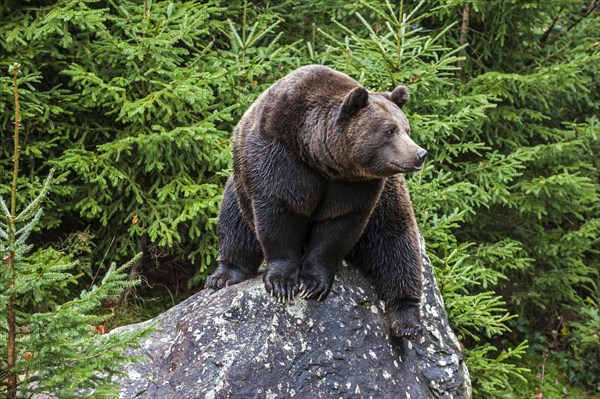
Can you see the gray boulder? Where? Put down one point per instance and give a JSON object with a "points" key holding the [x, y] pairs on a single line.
{"points": [[240, 343]]}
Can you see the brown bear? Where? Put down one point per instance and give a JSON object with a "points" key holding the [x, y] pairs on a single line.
{"points": [[318, 163]]}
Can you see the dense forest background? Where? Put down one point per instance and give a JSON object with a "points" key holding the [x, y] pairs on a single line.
{"points": [[133, 104]]}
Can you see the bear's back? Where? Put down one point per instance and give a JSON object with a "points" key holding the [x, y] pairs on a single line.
{"points": [[310, 86], [300, 98]]}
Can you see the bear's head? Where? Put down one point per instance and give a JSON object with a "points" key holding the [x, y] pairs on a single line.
{"points": [[377, 134]]}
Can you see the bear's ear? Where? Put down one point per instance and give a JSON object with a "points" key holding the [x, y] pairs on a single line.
{"points": [[355, 100], [400, 96]]}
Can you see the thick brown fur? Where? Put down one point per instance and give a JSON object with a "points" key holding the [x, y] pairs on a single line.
{"points": [[318, 163]]}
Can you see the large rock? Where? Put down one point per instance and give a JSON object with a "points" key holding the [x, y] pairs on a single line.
{"points": [[240, 343]]}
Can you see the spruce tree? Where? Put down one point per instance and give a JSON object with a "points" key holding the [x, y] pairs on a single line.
{"points": [[538, 181], [133, 106], [393, 50], [134, 103], [511, 127], [48, 347]]}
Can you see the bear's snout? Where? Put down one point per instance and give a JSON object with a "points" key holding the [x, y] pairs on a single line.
{"points": [[421, 154]]}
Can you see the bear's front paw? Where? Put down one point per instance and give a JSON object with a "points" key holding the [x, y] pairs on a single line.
{"points": [[224, 276], [405, 322], [281, 280], [315, 282]]}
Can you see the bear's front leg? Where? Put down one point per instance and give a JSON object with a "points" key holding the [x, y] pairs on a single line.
{"points": [[330, 241], [280, 232], [338, 223]]}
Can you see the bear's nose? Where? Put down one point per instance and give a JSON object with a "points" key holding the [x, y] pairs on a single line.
{"points": [[421, 154]]}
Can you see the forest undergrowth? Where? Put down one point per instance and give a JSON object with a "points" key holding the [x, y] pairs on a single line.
{"points": [[133, 104]]}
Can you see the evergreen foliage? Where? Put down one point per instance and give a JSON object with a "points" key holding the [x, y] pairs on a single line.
{"points": [[127, 110], [45, 346], [391, 51], [134, 104], [538, 180]]}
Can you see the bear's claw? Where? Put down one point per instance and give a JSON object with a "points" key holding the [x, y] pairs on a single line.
{"points": [[405, 331], [282, 290], [224, 276], [405, 322], [315, 289], [281, 282]]}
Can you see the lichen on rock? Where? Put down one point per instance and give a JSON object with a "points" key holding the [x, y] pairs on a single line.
{"points": [[240, 343]]}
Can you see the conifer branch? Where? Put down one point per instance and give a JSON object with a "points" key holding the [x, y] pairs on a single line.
{"points": [[589, 10], [399, 32], [13, 201], [243, 79], [37, 202], [550, 28], [5, 208], [464, 29], [11, 322]]}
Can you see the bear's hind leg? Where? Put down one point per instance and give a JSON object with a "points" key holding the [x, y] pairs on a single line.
{"points": [[389, 252], [240, 254]]}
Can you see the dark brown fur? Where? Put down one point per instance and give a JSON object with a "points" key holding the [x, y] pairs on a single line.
{"points": [[317, 178]]}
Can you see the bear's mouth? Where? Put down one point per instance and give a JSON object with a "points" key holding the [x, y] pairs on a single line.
{"points": [[406, 167]]}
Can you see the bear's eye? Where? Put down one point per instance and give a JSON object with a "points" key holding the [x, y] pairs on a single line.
{"points": [[391, 132]]}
